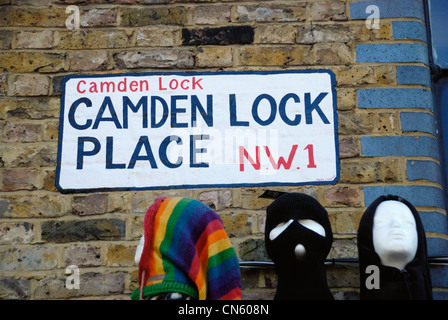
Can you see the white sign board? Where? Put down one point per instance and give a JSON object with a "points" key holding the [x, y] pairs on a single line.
{"points": [[191, 130]]}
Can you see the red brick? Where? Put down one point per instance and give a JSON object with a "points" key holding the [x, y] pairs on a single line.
{"points": [[90, 205], [21, 179], [21, 132], [343, 196]]}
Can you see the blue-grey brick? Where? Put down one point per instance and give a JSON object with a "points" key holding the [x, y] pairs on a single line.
{"points": [[410, 146], [395, 98], [5, 207], [439, 275], [439, 294], [13, 289], [437, 246], [435, 222], [419, 196], [414, 75], [83, 230], [424, 170], [412, 30], [418, 122], [392, 52], [388, 9], [28, 259], [90, 284]]}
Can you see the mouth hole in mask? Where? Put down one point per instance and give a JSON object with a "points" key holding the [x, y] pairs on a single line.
{"points": [[307, 223]]}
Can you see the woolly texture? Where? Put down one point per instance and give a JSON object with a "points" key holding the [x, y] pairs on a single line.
{"points": [[187, 250], [303, 279]]}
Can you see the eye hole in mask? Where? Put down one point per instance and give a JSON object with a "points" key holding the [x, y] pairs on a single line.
{"points": [[308, 223]]}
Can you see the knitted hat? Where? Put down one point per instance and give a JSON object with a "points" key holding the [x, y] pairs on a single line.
{"points": [[187, 250], [299, 279]]}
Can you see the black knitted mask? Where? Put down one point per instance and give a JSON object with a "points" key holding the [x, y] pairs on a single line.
{"points": [[297, 206], [303, 278]]}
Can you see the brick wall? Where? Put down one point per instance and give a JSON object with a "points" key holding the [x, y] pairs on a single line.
{"points": [[387, 128]]}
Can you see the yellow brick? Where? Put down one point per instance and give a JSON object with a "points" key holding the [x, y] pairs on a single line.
{"points": [[275, 56], [214, 57], [92, 39], [30, 61], [120, 255]]}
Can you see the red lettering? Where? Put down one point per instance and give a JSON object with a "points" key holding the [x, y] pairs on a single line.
{"points": [[196, 83], [244, 153], [121, 87], [311, 163], [77, 87], [113, 86], [110, 86], [132, 85], [281, 160], [93, 88], [182, 84], [160, 84], [144, 82], [176, 84]]}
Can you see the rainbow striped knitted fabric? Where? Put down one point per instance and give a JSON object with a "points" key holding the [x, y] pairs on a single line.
{"points": [[187, 250]]}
